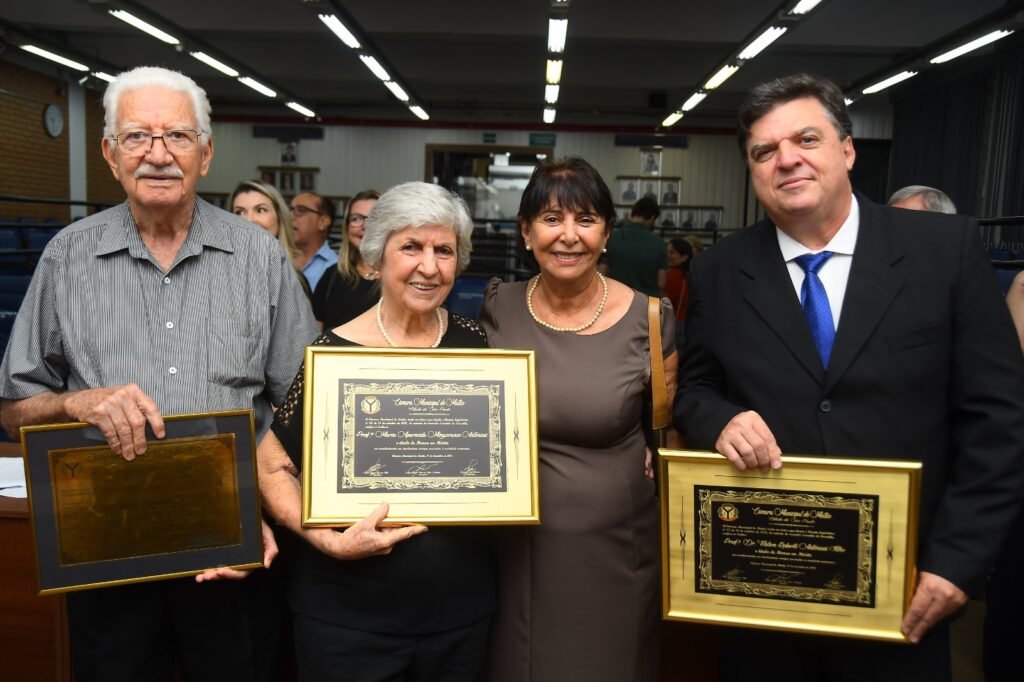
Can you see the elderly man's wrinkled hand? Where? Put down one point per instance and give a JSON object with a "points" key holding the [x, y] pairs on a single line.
{"points": [[225, 573], [934, 599], [120, 413], [748, 443], [368, 537]]}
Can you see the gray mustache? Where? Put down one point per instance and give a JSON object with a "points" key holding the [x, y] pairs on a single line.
{"points": [[164, 171]]}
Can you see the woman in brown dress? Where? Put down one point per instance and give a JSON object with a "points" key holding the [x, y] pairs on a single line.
{"points": [[579, 594]]}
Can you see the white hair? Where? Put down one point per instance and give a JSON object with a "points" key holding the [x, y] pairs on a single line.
{"points": [[416, 204], [154, 76], [933, 199]]}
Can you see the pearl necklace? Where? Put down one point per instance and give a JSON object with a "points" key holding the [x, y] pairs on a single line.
{"points": [[387, 337], [567, 330]]}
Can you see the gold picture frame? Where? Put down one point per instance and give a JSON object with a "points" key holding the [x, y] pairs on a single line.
{"points": [[445, 436], [190, 503], [823, 545]]}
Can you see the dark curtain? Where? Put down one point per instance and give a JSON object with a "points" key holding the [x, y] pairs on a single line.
{"points": [[938, 138], [1008, 141]]}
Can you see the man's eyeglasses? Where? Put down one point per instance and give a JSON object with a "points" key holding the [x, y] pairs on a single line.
{"points": [[301, 210], [137, 142], [357, 219]]}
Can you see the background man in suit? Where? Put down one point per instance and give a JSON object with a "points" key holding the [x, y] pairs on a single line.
{"points": [[922, 198], [913, 357]]}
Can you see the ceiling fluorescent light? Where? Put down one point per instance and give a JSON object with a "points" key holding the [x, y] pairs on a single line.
{"points": [[219, 65], [550, 94], [418, 110], [103, 76], [143, 26], [847, 101], [397, 90], [770, 35], [554, 71], [721, 76], [339, 29], [971, 46], [374, 66], [672, 119], [695, 99], [295, 106], [549, 115], [257, 86], [46, 54], [557, 28], [804, 6], [891, 80]]}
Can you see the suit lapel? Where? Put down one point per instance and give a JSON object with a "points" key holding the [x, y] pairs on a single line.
{"points": [[870, 290], [769, 291]]}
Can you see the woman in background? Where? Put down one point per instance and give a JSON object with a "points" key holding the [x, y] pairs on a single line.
{"points": [[578, 594], [351, 288], [262, 204], [677, 285]]}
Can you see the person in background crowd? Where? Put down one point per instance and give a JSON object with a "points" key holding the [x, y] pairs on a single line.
{"points": [[579, 593], [262, 204], [636, 256], [677, 286], [161, 305], [349, 289], [837, 327], [921, 198], [312, 217], [380, 602]]}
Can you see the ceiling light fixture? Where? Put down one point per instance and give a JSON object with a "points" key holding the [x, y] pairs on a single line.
{"points": [[295, 106], [672, 119], [103, 76], [551, 93], [557, 29], [554, 71], [804, 6], [219, 65], [257, 86], [339, 29], [53, 57], [374, 66], [397, 90], [890, 81], [970, 47], [152, 30], [721, 76], [549, 115], [847, 101], [770, 35], [418, 110], [695, 99]]}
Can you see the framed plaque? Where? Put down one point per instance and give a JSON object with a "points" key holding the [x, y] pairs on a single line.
{"points": [[444, 436], [823, 545], [190, 503]]}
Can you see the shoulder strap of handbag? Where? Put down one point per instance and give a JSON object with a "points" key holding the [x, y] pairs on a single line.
{"points": [[659, 399]]}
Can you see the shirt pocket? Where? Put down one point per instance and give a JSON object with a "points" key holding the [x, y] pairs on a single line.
{"points": [[233, 357]]}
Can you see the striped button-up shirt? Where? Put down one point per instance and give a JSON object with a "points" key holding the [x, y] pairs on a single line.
{"points": [[223, 328]]}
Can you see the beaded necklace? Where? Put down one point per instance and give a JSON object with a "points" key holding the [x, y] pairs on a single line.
{"points": [[567, 330]]}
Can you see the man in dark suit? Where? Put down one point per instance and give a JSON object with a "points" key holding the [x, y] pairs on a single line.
{"points": [[913, 356]]}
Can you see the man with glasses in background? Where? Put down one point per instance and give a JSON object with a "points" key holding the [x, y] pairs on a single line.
{"points": [[161, 305], [312, 217]]}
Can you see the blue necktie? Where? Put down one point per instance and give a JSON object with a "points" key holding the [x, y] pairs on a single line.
{"points": [[815, 303]]}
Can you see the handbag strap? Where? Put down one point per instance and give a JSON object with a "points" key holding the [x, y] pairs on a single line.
{"points": [[659, 399]]}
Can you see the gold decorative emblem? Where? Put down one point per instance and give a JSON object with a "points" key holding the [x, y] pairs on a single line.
{"points": [[728, 512], [369, 405]]}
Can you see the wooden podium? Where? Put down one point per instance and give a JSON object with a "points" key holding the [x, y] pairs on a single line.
{"points": [[33, 629]]}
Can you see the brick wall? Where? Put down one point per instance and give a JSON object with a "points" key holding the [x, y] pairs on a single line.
{"points": [[31, 162], [99, 181]]}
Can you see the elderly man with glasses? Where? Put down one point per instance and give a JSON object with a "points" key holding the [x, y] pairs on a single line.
{"points": [[312, 217], [161, 305]]}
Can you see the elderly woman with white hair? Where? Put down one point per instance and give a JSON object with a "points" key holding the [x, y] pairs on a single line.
{"points": [[379, 602]]}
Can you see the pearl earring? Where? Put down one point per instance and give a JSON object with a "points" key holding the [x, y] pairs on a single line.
{"points": [[529, 248]]}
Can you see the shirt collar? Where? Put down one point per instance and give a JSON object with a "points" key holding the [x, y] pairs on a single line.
{"points": [[122, 233], [842, 242], [325, 252]]}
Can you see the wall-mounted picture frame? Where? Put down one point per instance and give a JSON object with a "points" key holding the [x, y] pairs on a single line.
{"points": [[711, 219], [690, 218], [650, 161], [627, 193], [669, 218], [287, 182], [650, 188], [268, 177], [289, 153], [669, 193], [307, 181]]}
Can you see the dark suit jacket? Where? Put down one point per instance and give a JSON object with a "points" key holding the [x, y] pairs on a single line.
{"points": [[925, 366]]}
